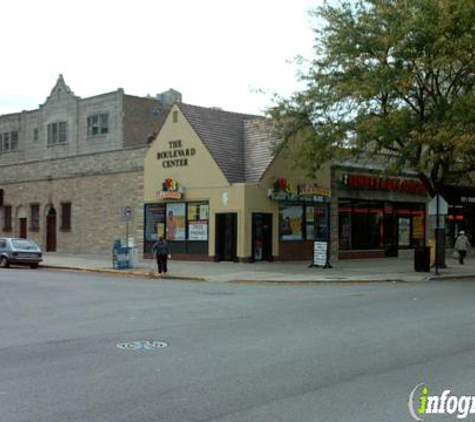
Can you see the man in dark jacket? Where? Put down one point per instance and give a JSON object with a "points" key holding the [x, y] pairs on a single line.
{"points": [[160, 249]]}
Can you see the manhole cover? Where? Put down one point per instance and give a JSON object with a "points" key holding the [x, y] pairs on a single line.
{"points": [[142, 345]]}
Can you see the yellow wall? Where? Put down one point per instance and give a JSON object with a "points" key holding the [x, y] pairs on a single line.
{"points": [[257, 195], [203, 180]]}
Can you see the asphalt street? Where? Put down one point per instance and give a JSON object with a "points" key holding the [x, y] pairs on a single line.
{"points": [[234, 353]]}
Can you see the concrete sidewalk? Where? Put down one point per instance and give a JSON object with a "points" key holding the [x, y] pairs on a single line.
{"points": [[355, 270]]}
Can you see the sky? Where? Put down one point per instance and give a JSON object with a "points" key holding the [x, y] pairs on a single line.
{"points": [[216, 53]]}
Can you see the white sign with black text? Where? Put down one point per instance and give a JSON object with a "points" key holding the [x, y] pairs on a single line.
{"points": [[320, 253]]}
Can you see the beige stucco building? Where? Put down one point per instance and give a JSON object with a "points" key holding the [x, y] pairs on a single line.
{"points": [[211, 188]]}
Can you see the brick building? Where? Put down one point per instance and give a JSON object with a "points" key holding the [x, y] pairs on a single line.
{"points": [[69, 168]]}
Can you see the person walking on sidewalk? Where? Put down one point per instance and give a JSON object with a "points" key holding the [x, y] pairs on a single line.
{"points": [[462, 245], [160, 249]]}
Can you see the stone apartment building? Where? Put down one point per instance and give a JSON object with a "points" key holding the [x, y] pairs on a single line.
{"points": [[71, 169]]}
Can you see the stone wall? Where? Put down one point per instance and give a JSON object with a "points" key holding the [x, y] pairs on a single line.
{"points": [[97, 186], [76, 166]]}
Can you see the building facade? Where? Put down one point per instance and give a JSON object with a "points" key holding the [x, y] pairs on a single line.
{"points": [[69, 168], [217, 190], [213, 187]]}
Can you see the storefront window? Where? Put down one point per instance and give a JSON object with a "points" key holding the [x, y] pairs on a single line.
{"points": [[322, 222], [303, 221], [198, 221], [404, 232], [175, 221], [185, 225], [154, 224], [344, 226], [310, 222], [291, 222], [367, 225]]}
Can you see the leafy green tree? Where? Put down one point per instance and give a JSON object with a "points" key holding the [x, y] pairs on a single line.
{"points": [[390, 78]]}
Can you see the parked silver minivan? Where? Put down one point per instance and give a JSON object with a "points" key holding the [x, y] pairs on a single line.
{"points": [[19, 252]]}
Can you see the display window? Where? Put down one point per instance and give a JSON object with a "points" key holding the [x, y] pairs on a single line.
{"points": [[184, 225], [291, 219], [366, 224], [303, 222], [198, 221], [175, 221]]}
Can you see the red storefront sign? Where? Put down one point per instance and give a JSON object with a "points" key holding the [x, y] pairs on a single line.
{"points": [[383, 183]]}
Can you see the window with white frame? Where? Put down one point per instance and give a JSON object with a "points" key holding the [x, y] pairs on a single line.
{"points": [[98, 124]]}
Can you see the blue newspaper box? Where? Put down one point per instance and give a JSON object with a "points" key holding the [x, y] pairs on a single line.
{"points": [[121, 256]]}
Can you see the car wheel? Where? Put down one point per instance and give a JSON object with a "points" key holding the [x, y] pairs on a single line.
{"points": [[34, 266], [4, 262]]}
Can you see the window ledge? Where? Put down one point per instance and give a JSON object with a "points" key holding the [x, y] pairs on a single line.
{"points": [[99, 135], [62, 144], [10, 151]]}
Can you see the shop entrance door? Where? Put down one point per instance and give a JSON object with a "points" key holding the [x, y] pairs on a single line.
{"points": [[51, 230], [226, 237], [261, 237], [22, 226]]}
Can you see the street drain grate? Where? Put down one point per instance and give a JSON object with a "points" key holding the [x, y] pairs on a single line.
{"points": [[142, 345]]}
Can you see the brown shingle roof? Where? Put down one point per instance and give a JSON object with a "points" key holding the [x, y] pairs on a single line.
{"points": [[258, 148], [228, 138]]}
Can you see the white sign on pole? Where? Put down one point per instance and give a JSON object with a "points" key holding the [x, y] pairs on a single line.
{"points": [[443, 205], [126, 213]]}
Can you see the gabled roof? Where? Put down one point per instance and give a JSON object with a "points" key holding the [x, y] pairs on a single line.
{"points": [[229, 137]]}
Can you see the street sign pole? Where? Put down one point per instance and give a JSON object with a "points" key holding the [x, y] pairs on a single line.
{"points": [[438, 207], [127, 237], [437, 236], [127, 216]]}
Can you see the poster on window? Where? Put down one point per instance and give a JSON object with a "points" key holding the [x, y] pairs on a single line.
{"points": [[197, 230], [160, 230], [418, 227], [197, 212], [404, 232], [175, 221], [154, 219], [291, 219], [193, 212], [204, 212]]}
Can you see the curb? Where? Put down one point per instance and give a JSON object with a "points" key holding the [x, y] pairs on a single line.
{"points": [[450, 277], [140, 274], [148, 275], [306, 282]]}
